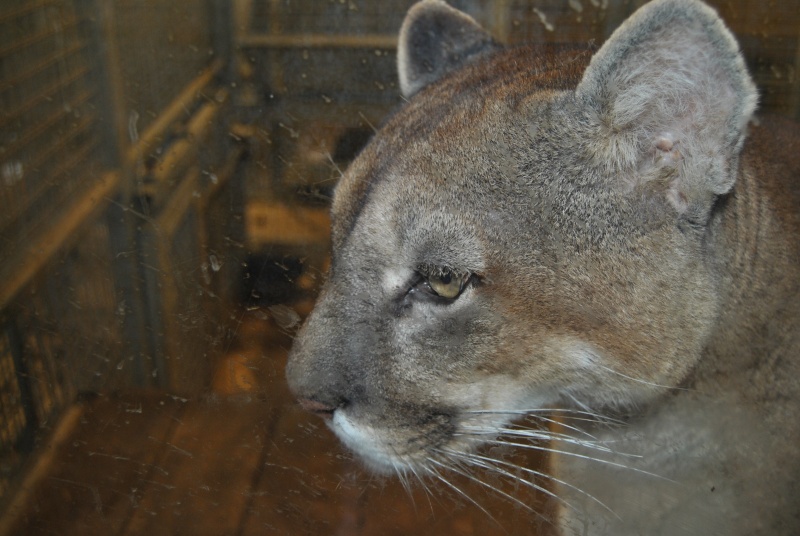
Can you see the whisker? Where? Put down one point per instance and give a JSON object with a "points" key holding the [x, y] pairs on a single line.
{"points": [[494, 488], [475, 479], [425, 487], [509, 438], [575, 455], [568, 413], [332, 162], [544, 435], [640, 380], [534, 472], [578, 402], [489, 464], [455, 488], [401, 476], [565, 425], [549, 434]]}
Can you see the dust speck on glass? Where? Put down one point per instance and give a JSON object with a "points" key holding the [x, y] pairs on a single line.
{"points": [[167, 171]]}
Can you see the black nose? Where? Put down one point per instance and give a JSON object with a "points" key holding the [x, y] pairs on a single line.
{"points": [[323, 410]]}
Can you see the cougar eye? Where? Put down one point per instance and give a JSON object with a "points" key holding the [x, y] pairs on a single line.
{"points": [[446, 283]]}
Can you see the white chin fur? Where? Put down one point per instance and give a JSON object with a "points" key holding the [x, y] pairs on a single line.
{"points": [[366, 442]]}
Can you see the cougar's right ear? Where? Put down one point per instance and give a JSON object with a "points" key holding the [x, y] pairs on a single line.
{"points": [[434, 40], [669, 97]]}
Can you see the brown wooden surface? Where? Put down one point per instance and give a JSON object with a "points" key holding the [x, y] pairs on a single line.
{"points": [[243, 461]]}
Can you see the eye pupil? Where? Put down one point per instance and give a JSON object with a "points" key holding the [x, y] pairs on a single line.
{"points": [[446, 284], [442, 281]]}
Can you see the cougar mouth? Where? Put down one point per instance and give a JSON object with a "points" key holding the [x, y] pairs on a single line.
{"points": [[387, 448]]}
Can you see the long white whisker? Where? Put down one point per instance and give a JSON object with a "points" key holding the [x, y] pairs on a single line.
{"points": [[580, 404], [489, 464], [543, 475], [428, 493], [552, 435], [501, 435], [546, 436], [472, 477], [564, 412], [618, 373], [564, 425], [575, 455], [455, 488], [401, 476], [543, 435]]}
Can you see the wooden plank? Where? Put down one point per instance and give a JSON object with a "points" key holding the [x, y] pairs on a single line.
{"points": [[179, 108], [375, 41], [274, 223], [63, 26], [211, 457], [16, 79], [46, 94], [52, 162], [306, 483], [40, 468], [18, 11], [32, 133], [172, 165], [97, 474]]}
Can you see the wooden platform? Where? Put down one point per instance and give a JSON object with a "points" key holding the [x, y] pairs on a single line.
{"points": [[244, 463]]}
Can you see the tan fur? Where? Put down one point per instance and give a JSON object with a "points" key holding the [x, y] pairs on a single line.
{"points": [[629, 257]]}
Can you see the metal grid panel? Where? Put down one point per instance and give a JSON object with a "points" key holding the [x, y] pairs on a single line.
{"points": [[62, 336], [71, 325], [46, 131]]}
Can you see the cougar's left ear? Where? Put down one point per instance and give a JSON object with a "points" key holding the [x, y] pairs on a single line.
{"points": [[668, 98], [436, 39]]}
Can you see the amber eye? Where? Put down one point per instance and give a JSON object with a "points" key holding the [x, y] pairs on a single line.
{"points": [[447, 284]]}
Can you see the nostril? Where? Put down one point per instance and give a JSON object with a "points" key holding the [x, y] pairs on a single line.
{"points": [[321, 409]]}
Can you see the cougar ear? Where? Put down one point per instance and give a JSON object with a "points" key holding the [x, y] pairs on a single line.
{"points": [[436, 39], [668, 97]]}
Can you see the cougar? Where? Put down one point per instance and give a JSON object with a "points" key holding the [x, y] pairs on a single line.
{"points": [[609, 239]]}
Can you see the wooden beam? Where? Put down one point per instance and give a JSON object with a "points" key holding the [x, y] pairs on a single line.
{"points": [[319, 41], [275, 223], [67, 424], [177, 108], [22, 265]]}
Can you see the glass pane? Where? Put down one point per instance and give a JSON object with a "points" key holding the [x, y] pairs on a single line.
{"points": [[167, 171]]}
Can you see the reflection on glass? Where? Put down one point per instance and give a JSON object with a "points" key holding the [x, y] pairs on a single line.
{"points": [[166, 173]]}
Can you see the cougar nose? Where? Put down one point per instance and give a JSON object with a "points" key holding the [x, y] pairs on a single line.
{"points": [[323, 410]]}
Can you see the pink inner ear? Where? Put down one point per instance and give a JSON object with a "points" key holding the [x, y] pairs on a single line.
{"points": [[667, 154], [664, 144], [667, 151]]}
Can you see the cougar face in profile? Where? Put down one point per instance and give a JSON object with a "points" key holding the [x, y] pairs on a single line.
{"points": [[616, 243]]}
